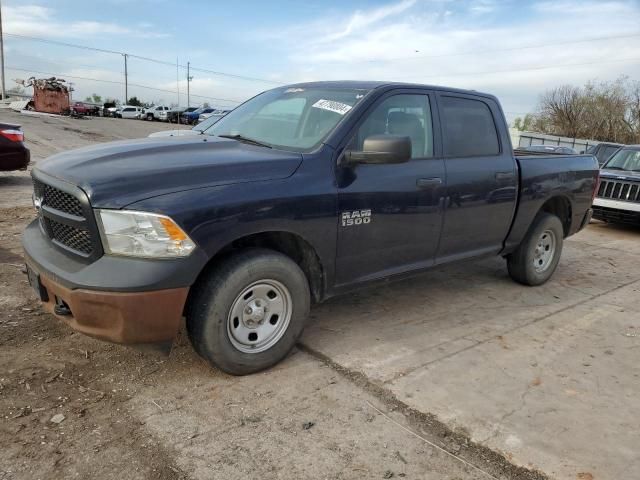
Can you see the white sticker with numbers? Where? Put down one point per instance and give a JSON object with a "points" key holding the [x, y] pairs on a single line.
{"points": [[332, 106]]}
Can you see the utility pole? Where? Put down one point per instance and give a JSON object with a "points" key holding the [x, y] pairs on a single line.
{"points": [[71, 84], [4, 93], [178, 81], [188, 81], [126, 80]]}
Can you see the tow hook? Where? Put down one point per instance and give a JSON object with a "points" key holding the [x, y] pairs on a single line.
{"points": [[61, 308]]}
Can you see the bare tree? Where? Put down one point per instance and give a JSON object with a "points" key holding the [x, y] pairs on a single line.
{"points": [[606, 111]]}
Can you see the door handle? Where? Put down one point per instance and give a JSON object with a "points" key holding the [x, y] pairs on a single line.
{"points": [[428, 182], [504, 175]]}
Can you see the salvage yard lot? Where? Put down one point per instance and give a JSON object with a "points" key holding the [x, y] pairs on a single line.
{"points": [[461, 357]]}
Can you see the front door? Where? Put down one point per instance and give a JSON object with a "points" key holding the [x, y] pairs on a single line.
{"points": [[390, 215]]}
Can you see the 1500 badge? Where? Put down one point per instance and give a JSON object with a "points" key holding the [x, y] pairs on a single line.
{"points": [[356, 217]]}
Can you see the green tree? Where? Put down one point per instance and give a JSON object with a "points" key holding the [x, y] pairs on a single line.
{"points": [[135, 102], [525, 124]]}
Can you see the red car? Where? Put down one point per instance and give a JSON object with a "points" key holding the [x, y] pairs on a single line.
{"points": [[80, 108], [14, 155]]}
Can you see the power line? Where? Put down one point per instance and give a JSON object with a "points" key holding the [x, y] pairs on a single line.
{"points": [[140, 57], [115, 82], [526, 69]]}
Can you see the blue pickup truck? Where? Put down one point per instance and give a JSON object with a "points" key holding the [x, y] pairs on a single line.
{"points": [[302, 193]]}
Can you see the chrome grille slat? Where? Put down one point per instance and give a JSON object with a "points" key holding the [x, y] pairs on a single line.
{"points": [[619, 190]]}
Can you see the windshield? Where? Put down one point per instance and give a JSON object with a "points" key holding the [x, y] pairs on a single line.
{"points": [[289, 118], [625, 160]]}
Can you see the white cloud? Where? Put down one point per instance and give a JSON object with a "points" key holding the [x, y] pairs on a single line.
{"points": [[423, 43], [362, 19], [35, 20]]}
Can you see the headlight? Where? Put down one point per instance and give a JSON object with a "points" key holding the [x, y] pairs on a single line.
{"points": [[140, 234]]}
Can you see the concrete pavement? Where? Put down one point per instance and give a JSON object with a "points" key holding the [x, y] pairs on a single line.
{"points": [[549, 376]]}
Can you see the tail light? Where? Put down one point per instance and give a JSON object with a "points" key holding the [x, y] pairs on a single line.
{"points": [[597, 187], [12, 135]]}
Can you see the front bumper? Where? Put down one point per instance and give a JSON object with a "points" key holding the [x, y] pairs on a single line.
{"points": [[120, 299], [616, 211], [137, 317]]}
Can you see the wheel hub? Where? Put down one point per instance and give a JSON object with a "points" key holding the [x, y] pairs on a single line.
{"points": [[259, 316], [255, 313], [545, 251]]}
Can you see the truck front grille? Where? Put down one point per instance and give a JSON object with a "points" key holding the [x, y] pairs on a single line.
{"points": [[61, 201], [72, 237], [66, 218], [619, 190]]}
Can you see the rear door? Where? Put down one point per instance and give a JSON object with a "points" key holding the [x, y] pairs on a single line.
{"points": [[390, 215], [482, 176]]}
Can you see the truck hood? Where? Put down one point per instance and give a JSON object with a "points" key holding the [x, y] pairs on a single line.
{"points": [[620, 174], [117, 174]]}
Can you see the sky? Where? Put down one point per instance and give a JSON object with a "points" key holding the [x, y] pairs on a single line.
{"points": [[513, 49]]}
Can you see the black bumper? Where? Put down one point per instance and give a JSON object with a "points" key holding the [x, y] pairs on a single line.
{"points": [[16, 159], [108, 273], [614, 215]]}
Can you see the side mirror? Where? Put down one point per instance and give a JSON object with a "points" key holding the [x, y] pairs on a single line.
{"points": [[381, 149]]}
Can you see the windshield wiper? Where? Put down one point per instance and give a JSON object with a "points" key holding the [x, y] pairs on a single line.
{"points": [[616, 168], [242, 138]]}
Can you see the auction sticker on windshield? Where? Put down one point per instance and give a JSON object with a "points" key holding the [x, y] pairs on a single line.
{"points": [[332, 106]]}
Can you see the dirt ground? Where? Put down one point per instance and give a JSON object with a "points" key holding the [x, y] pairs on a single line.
{"points": [[385, 384]]}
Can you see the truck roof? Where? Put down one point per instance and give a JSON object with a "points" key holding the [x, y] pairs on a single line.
{"points": [[371, 85]]}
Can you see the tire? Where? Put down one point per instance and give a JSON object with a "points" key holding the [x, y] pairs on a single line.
{"points": [[225, 319], [150, 117], [536, 258]]}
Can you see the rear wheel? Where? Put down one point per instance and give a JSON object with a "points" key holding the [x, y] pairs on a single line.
{"points": [[246, 314], [537, 257]]}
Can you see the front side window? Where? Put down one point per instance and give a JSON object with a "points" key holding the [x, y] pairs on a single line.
{"points": [[625, 160], [289, 118], [468, 128], [406, 115]]}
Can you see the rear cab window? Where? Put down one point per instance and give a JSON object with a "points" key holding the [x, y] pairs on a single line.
{"points": [[468, 128]]}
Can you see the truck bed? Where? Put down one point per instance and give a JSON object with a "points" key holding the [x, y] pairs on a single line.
{"points": [[569, 177]]}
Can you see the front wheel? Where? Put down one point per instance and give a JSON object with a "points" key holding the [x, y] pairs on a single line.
{"points": [[247, 313], [537, 257]]}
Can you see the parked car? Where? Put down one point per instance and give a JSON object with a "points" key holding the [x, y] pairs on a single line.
{"points": [[302, 193], [603, 151], [173, 116], [215, 113], [550, 149], [109, 109], [618, 197], [196, 130], [129, 111], [191, 117], [79, 109], [157, 112], [14, 155]]}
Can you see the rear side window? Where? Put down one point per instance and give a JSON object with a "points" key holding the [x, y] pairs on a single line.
{"points": [[468, 128]]}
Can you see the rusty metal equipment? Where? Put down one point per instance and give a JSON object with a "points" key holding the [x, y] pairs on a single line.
{"points": [[50, 95]]}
